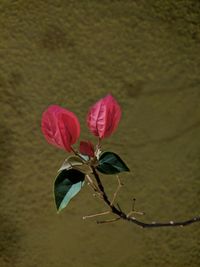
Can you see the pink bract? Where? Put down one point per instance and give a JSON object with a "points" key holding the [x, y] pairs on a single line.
{"points": [[86, 148], [60, 127], [104, 116]]}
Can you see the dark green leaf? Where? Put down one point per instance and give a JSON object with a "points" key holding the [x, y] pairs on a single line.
{"points": [[111, 163], [67, 184]]}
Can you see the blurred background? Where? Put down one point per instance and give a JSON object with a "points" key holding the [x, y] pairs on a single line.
{"points": [[71, 53]]}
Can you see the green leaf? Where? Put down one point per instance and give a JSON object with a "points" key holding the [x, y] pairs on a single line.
{"points": [[111, 163], [67, 184]]}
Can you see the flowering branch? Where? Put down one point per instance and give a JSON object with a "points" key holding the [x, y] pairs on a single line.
{"points": [[61, 128]]}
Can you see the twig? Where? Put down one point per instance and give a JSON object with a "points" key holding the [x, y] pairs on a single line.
{"points": [[92, 183], [95, 215], [117, 190], [134, 211], [121, 215]]}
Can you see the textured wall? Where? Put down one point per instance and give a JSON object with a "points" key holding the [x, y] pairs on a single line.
{"points": [[147, 53]]}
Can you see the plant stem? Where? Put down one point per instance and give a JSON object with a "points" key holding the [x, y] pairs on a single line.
{"points": [[117, 211], [77, 154]]}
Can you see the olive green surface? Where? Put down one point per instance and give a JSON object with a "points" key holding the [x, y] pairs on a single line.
{"points": [[71, 53]]}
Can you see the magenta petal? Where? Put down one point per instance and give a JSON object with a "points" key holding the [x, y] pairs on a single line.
{"points": [[104, 116], [60, 127], [86, 148]]}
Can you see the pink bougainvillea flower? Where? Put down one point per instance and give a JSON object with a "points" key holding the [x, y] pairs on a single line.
{"points": [[104, 116], [60, 127], [86, 148]]}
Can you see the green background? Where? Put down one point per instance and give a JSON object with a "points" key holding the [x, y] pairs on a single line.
{"points": [[71, 53]]}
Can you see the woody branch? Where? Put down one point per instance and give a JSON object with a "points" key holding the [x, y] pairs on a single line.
{"points": [[128, 217]]}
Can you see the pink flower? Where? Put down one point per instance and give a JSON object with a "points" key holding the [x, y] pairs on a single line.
{"points": [[60, 127], [86, 148], [104, 116]]}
